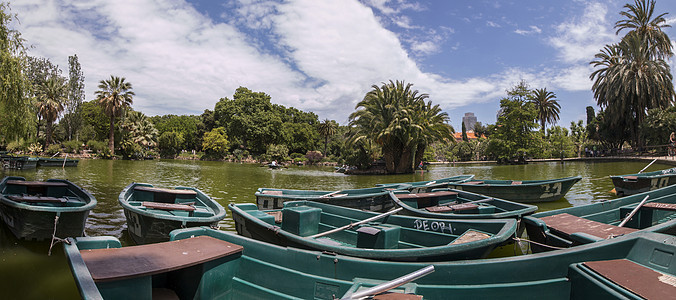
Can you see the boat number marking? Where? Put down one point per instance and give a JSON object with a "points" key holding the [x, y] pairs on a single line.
{"points": [[552, 190], [428, 225], [134, 224], [657, 183]]}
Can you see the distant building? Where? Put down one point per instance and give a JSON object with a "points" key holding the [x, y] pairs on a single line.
{"points": [[470, 135], [469, 120]]}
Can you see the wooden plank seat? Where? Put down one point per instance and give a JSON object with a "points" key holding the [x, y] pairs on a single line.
{"points": [[129, 262], [277, 215], [633, 178], [470, 236], [165, 191], [473, 182], [37, 199], [167, 206], [516, 182], [660, 206], [426, 195], [273, 193], [638, 279], [568, 224], [37, 183], [454, 207]]}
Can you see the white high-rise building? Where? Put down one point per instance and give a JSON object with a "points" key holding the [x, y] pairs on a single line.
{"points": [[469, 120]]}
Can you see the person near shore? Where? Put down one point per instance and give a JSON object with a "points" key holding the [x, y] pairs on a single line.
{"points": [[672, 143]]}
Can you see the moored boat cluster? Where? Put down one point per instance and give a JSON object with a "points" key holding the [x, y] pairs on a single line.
{"points": [[427, 239]]}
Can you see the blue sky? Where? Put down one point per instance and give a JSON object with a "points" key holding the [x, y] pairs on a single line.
{"points": [[323, 56]]}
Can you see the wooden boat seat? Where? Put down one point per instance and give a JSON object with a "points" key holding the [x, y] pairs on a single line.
{"points": [[167, 206], [129, 262], [165, 191], [660, 206], [473, 182], [455, 207], [516, 182], [645, 282], [568, 224], [633, 178], [277, 215], [37, 199], [273, 193], [426, 195], [37, 183], [470, 236]]}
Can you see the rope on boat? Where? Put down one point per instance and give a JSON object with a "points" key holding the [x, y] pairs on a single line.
{"points": [[518, 240], [55, 239]]}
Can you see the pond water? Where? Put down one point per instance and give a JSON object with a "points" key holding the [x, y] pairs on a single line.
{"points": [[26, 272]]}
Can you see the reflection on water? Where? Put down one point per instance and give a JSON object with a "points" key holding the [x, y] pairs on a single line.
{"points": [[31, 274]]}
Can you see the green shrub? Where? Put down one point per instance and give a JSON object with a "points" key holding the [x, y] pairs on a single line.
{"points": [[72, 146], [53, 149], [17, 146]]}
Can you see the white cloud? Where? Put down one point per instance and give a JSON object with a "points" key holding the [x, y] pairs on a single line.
{"points": [[581, 38], [493, 24], [533, 30]]}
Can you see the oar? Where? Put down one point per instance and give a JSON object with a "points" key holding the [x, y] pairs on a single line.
{"points": [[634, 211], [386, 286], [329, 194], [348, 226], [654, 160]]}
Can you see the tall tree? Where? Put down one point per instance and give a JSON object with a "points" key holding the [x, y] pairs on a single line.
{"points": [[632, 76], [114, 95], [547, 106], [50, 104], [398, 119], [326, 128], [640, 22], [15, 120], [76, 94]]}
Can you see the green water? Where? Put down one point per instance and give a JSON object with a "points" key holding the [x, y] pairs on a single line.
{"points": [[26, 272]]}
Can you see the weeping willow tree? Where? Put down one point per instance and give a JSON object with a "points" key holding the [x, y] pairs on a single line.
{"points": [[15, 110], [401, 122]]}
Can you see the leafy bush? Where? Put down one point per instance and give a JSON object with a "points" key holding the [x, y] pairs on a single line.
{"points": [[72, 146], [53, 149], [314, 156], [170, 144], [215, 143], [277, 152], [17, 146], [35, 148]]}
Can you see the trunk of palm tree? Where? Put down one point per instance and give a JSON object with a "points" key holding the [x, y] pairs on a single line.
{"points": [[48, 133], [326, 142], [111, 136]]}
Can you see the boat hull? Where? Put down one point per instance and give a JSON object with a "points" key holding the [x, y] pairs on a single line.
{"points": [[606, 216], [39, 225], [145, 229], [525, 192], [626, 185], [371, 199], [266, 271], [37, 220], [152, 213], [56, 162], [397, 238]]}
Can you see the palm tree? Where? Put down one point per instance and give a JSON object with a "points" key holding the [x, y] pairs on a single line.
{"points": [[639, 21], [140, 129], [114, 95], [398, 119], [50, 103], [547, 105], [326, 128]]}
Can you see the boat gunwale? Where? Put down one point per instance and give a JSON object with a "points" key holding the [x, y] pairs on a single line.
{"points": [[217, 209]]}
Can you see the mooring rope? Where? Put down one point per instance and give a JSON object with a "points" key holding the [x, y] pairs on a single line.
{"points": [[55, 239], [536, 243]]}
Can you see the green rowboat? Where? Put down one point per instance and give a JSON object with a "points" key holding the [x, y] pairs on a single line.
{"points": [[373, 199], [18, 162], [525, 191], [456, 204], [152, 213], [313, 225], [572, 226], [56, 162], [32, 209], [428, 185], [631, 184], [265, 271]]}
